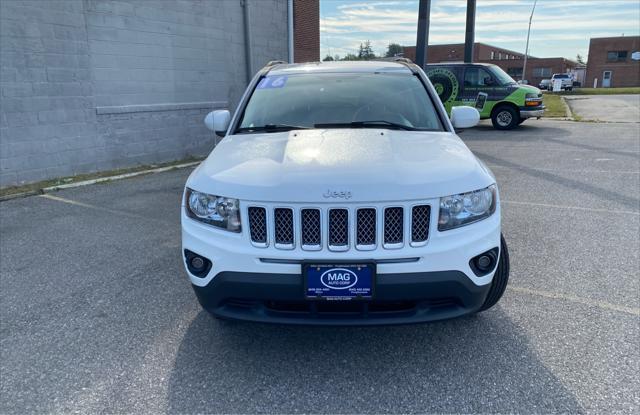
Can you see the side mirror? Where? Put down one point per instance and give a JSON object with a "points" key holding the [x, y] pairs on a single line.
{"points": [[464, 117], [218, 121]]}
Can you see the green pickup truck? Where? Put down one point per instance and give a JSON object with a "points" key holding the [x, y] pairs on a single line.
{"points": [[487, 88]]}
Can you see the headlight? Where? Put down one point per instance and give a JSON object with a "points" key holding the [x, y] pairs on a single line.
{"points": [[532, 100], [218, 211], [465, 208]]}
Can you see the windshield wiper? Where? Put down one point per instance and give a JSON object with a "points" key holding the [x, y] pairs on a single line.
{"points": [[272, 128], [368, 124]]}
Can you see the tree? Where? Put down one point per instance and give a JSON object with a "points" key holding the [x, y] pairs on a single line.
{"points": [[366, 51], [580, 59], [350, 57], [328, 58], [393, 49]]}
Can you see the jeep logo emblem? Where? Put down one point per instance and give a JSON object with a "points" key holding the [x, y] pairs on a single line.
{"points": [[339, 279], [337, 194]]}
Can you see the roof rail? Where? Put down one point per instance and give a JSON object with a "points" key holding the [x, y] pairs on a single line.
{"points": [[402, 61], [394, 59], [273, 63]]}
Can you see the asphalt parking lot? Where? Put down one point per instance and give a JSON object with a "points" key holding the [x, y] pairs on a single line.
{"points": [[607, 108], [98, 316]]}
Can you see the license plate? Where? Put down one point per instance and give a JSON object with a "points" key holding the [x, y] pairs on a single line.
{"points": [[339, 281]]}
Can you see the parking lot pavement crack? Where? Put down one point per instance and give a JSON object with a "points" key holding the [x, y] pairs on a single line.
{"points": [[102, 209], [575, 299]]}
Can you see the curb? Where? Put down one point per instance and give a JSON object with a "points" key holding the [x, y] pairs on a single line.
{"points": [[55, 188], [567, 109], [21, 195]]}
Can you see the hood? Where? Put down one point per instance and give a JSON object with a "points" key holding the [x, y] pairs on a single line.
{"points": [[530, 89], [373, 165]]}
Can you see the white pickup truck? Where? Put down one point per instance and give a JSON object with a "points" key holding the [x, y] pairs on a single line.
{"points": [[567, 81], [342, 195]]}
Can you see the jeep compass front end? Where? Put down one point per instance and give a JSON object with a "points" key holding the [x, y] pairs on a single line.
{"points": [[341, 195]]}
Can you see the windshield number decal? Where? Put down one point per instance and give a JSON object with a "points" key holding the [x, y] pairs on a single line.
{"points": [[272, 82]]}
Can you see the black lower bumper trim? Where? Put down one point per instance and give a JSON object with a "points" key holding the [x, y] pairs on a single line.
{"points": [[399, 298]]}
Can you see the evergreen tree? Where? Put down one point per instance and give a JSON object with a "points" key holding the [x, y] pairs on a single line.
{"points": [[366, 51]]}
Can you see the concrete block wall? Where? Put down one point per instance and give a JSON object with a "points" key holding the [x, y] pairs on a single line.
{"points": [[47, 106], [90, 85]]}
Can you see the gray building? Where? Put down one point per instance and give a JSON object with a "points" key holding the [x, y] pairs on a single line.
{"points": [[90, 85]]}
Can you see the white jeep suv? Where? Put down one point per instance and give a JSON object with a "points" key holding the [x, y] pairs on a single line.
{"points": [[342, 195]]}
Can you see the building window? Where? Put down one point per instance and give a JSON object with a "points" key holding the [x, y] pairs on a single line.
{"points": [[617, 56], [541, 72], [499, 56], [493, 55], [515, 72]]}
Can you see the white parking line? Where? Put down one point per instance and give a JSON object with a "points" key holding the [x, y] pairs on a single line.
{"points": [[103, 209], [574, 299], [69, 201], [547, 205]]}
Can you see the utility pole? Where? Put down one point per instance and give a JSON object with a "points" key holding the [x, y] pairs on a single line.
{"points": [[526, 49], [469, 36], [422, 43]]}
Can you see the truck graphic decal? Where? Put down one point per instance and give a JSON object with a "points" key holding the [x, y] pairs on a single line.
{"points": [[446, 84]]}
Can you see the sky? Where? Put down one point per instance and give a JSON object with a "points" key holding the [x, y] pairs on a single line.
{"points": [[560, 28]]}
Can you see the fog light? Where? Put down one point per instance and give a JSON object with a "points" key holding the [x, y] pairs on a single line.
{"points": [[197, 264], [484, 263]]}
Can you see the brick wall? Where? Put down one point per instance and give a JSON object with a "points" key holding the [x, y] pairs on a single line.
{"points": [[535, 67], [623, 73], [455, 53], [89, 85], [504, 58], [306, 28]]}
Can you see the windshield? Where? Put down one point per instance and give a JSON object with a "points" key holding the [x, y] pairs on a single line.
{"points": [[335, 100], [502, 77], [561, 76]]}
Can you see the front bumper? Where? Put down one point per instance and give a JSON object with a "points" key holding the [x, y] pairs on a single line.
{"points": [[399, 299], [413, 284], [531, 112]]}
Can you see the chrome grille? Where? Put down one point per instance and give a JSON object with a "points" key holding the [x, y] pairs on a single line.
{"points": [[420, 217], [393, 227], [258, 225], [338, 229], [310, 229], [283, 227], [366, 228], [333, 228]]}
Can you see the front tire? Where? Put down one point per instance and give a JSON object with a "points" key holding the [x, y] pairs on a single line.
{"points": [[505, 118], [500, 278]]}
